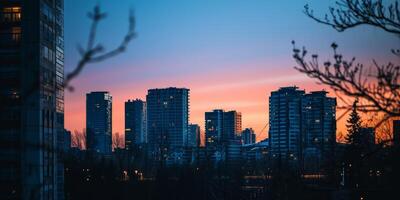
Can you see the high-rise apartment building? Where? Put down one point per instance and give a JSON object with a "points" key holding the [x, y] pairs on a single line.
{"points": [[32, 100], [248, 136], [194, 135], [214, 127], [285, 123], [135, 123], [302, 126], [318, 129], [221, 126], [99, 122], [167, 120], [232, 125]]}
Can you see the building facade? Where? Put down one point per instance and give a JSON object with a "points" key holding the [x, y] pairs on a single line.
{"points": [[232, 127], [221, 127], [248, 136], [32, 100], [99, 122], [194, 135], [302, 127], [167, 120], [214, 127], [285, 123], [135, 123], [318, 129]]}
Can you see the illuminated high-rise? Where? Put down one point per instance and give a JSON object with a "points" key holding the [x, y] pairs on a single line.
{"points": [[222, 127], [318, 129], [135, 123], [32, 100], [99, 122], [285, 123], [167, 120], [193, 135]]}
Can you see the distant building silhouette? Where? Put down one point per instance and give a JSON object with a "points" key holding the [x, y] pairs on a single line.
{"points": [[32, 100], [248, 136], [167, 120], [285, 123], [67, 140], [396, 132], [221, 126], [318, 129], [232, 125], [135, 123], [214, 127], [302, 127], [194, 135], [99, 122], [368, 134]]}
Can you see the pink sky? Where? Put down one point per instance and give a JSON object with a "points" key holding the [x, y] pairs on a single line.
{"points": [[242, 90]]}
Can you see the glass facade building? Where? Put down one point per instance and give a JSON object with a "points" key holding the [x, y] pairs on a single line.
{"points": [[135, 123], [248, 136], [99, 122], [31, 98], [285, 123], [302, 126], [194, 135], [221, 126], [167, 120], [319, 129]]}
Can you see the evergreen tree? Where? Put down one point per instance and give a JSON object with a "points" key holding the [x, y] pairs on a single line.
{"points": [[354, 127]]}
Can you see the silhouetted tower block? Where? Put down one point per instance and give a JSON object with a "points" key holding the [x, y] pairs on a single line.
{"points": [[99, 122], [135, 123]]}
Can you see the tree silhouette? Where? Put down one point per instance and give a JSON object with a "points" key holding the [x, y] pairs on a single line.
{"points": [[376, 88], [78, 139], [353, 136], [351, 13], [117, 141]]}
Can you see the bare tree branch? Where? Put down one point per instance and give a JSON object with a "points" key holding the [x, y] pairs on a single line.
{"points": [[377, 89], [351, 13], [95, 52], [117, 141]]}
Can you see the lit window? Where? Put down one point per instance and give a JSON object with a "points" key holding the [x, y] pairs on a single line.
{"points": [[16, 33], [11, 14]]}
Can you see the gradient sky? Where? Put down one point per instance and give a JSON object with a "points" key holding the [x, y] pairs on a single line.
{"points": [[230, 53]]}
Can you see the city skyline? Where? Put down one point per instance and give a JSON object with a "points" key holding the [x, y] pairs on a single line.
{"points": [[242, 62], [199, 99]]}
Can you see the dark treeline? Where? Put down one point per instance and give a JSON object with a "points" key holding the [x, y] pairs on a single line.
{"points": [[358, 172]]}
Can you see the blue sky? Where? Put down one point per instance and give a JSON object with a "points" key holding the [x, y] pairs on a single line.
{"points": [[202, 44]]}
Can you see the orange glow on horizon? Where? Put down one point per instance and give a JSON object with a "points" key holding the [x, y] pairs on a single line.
{"points": [[246, 92]]}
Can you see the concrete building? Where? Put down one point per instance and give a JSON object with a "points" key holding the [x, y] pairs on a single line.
{"points": [[135, 123], [32, 100], [167, 120], [99, 122]]}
